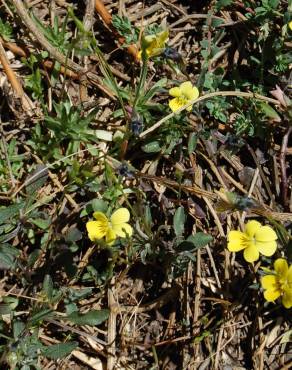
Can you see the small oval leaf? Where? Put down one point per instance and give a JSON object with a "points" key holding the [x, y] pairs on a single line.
{"points": [[91, 318], [179, 221], [200, 239], [59, 350], [153, 147]]}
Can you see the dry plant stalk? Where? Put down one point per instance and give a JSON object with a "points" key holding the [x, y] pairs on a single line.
{"points": [[56, 54], [16, 85]]}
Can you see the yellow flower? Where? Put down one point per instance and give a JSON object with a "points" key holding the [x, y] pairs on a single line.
{"points": [[109, 228], [290, 25], [153, 45], [279, 284], [183, 95], [254, 240]]}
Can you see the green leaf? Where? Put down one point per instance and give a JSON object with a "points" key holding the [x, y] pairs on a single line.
{"points": [[6, 30], [190, 256], [48, 287], [152, 147], [39, 316], [60, 350], [200, 239], [90, 318], [7, 256], [192, 143], [270, 112], [41, 223], [10, 211], [216, 22], [147, 216], [18, 328], [104, 135], [222, 3], [99, 205], [12, 301], [185, 246], [154, 89], [5, 309], [179, 221], [73, 235], [38, 178], [32, 258]]}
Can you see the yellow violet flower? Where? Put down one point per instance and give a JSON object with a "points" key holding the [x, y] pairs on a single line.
{"points": [[154, 45], [109, 228], [279, 284], [290, 25], [254, 240], [183, 95]]}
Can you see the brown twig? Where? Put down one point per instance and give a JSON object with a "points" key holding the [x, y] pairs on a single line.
{"points": [[48, 64], [284, 185], [56, 54], [107, 18], [112, 327], [17, 50], [27, 105], [21, 52], [16, 85], [103, 12]]}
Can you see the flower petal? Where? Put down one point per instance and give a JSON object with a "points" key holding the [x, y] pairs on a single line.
{"points": [[155, 44], [269, 282], [100, 216], [148, 40], [287, 298], [195, 93], [175, 104], [189, 91], [289, 276], [235, 241], [153, 51], [271, 295], [234, 235], [120, 216], [281, 267], [162, 37], [252, 227], [251, 253], [267, 248], [186, 87], [175, 91], [123, 230], [96, 230], [265, 234], [110, 236]]}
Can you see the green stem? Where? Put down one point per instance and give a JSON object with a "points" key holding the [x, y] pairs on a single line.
{"points": [[142, 80], [108, 73]]}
